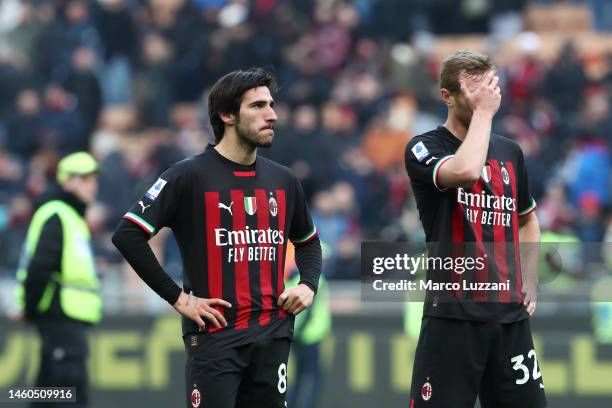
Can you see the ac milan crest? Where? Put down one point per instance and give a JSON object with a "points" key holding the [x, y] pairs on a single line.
{"points": [[426, 391], [505, 176], [486, 173], [196, 398], [273, 205]]}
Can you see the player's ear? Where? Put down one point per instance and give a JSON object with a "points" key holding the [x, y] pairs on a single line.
{"points": [[446, 97], [228, 118]]}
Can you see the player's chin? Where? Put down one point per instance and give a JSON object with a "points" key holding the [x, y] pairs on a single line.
{"points": [[266, 139]]}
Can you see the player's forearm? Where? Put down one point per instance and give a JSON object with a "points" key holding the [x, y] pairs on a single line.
{"points": [[132, 243], [529, 238], [529, 228], [308, 258], [472, 154]]}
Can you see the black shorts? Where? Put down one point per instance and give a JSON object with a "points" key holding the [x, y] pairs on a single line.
{"points": [[249, 376], [457, 360]]}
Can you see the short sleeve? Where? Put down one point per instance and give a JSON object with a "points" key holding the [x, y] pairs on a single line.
{"points": [[303, 229], [423, 158], [526, 202], [157, 207]]}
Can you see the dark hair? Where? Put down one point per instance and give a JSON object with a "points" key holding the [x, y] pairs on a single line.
{"points": [[226, 94], [469, 62]]}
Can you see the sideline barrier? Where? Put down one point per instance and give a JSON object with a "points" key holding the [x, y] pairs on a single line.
{"points": [[137, 361]]}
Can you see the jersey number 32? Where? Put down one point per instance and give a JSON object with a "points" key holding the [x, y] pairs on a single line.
{"points": [[519, 366]]}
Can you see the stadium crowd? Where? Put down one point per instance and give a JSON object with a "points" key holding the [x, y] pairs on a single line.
{"points": [[127, 79]]}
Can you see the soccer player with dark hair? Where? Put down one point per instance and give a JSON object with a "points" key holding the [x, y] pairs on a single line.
{"points": [[231, 213], [472, 194]]}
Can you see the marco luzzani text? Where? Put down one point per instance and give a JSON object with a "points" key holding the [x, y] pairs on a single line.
{"points": [[403, 263]]}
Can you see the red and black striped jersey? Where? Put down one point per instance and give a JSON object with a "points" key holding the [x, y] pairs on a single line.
{"points": [[231, 223], [478, 221]]}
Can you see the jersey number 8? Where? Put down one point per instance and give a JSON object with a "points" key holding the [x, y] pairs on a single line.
{"points": [[282, 378]]}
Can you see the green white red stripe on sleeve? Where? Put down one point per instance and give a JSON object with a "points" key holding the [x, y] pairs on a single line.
{"points": [[529, 209], [437, 168], [140, 222], [306, 238]]}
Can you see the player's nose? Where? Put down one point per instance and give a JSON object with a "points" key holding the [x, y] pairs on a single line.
{"points": [[271, 115]]}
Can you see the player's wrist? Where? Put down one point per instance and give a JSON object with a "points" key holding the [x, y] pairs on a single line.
{"points": [[483, 113], [183, 300], [309, 286]]}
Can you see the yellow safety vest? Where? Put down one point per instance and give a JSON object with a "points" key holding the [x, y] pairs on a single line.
{"points": [[77, 281], [313, 324]]}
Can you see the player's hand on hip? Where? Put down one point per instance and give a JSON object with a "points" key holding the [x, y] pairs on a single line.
{"points": [[294, 300], [486, 97], [201, 309], [530, 296]]}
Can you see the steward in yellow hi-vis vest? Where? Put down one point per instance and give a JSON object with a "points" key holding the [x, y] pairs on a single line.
{"points": [[58, 287], [75, 282], [311, 328]]}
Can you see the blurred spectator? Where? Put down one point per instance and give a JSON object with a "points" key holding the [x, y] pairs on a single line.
{"points": [[311, 151], [602, 14], [63, 127], [83, 84], [125, 174], [154, 88], [334, 212], [591, 173], [590, 228], [525, 74], [119, 35], [71, 29], [24, 124], [386, 140], [181, 23], [23, 37], [555, 214], [14, 219], [40, 171], [331, 39], [566, 80], [414, 70], [11, 181]]}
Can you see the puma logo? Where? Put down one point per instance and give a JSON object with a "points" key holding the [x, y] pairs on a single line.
{"points": [[225, 207], [144, 207]]}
